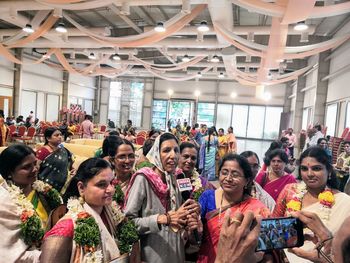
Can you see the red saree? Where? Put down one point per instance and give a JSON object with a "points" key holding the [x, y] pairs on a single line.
{"points": [[207, 252]]}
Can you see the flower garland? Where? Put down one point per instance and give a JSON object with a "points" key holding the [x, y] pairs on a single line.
{"points": [[119, 194], [326, 199], [86, 232], [31, 228], [197, 186], [52, 196]]}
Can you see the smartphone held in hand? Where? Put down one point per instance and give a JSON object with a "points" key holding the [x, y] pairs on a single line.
{"points": [[279, 233]]}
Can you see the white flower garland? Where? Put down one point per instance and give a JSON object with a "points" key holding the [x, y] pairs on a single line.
{"points": [[22, 203], [44, 188]]}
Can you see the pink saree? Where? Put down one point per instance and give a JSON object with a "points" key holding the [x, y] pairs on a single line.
{"points": [[207, 252]]}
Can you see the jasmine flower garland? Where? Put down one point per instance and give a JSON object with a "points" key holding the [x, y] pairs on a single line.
{"points": [[52, 196]]}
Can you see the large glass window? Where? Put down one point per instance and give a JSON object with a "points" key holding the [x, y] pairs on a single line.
{"points": [[206, 113], [331, 118], [180, 111], [307, 112], [159, 114], [239, 120], [272, 122], [125, 102], [255, 127], [223, 116], [347, 120]]}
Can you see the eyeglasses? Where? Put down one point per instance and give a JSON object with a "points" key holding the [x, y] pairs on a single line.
{"points": [[232, 174], [125, 157]]}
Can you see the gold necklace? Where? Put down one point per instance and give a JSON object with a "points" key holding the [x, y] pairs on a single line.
{"points": [[231, 204]]}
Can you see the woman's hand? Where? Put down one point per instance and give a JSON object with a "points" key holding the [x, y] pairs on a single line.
{"points": [[191, 206], [314, 223], [178, 218], [194, 222], [238, 239]]}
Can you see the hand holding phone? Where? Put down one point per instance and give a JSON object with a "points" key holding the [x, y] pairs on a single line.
{"points": [[279, 233]]}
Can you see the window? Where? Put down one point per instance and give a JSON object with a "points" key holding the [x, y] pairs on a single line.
{"points": [[180, 110], [347, 120], [272, 122], [206, 113], [255, 127], [239, 120], [159, 114], [331, 118], [306, 118], [223, 116], [125, 102], [114, 102]]}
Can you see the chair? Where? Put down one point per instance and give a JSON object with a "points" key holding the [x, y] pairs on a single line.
{"points": [[140, 140], [345, 133], [77, 132], [21, 131], [40, 135], [103, 129], [29, 137], [12, 132]]}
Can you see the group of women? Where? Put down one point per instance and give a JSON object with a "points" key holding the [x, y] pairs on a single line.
{"points": [[171, 221]]}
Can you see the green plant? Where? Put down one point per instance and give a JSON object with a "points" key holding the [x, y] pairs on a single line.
{"points": [[127, 235]]}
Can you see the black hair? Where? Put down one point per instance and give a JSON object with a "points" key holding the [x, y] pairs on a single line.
{"points": [[86, 171], [345, 250], [284, 139], [211, 131], [165, 137], [320, 140], [274, 145], [230, 128], [147, 146], [48, 133], [153, 131], [321, 156], [221, 129], [346, 142], [247, 154], [185, 145], [111, 144], [113, 133], [13, 156], [318, 127], [243, 163], [277, 152]]}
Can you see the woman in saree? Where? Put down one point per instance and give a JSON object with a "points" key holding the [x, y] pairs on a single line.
{"points": [[121, 155], [342, 166], [207, 155], [68, 240], [23, 197], [316, 193], [275, 178], [154, 203], [231, 140], [4, 132], [235, 177], [55, 161]]}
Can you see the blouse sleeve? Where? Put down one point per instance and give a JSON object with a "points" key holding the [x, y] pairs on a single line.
{"points": [[203, 202], [42, 153], [137, 197], [281, 202]]}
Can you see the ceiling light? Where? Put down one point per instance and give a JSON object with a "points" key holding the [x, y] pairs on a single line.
{"points": [[185, 58], [280, 60], [233, 95], [215, 59], [116, 57], [197, 93], [203, 27], [61, 28], [159, 27], [301, 26], [170, 92], [92, 56], [46, 56], [221, 75], [267, 96], [28, 29], [199, 74]]}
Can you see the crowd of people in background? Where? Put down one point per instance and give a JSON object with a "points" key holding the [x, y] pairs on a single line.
{"points": [[187, 194]]}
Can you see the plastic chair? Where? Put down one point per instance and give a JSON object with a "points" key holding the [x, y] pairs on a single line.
{"points": [[29, 136]]}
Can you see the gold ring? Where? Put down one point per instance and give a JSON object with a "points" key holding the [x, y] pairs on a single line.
{"points": [[234, 220]]}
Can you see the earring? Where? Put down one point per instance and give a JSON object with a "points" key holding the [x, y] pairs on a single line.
{"points": [[81, 200], [329, 176]]}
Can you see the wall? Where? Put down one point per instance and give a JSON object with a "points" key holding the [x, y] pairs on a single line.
{"points": [[41, 88]]}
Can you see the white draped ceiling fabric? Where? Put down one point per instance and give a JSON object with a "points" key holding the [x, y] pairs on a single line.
{"points": [[283, 13]]}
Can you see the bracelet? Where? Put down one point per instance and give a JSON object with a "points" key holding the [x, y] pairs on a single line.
{"points": [[320, 251], [168, 219]]}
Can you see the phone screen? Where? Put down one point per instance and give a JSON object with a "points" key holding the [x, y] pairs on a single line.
{"points": [[278, 233]]}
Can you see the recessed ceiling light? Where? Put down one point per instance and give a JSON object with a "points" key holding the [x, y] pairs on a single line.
{"points": [[233, 94], [61, 28], [185, 58], [116, 57], [92, 56], [46, 56], [215, 59], [301, 26], [203, 27], [159, 27], [267, 96], [221, 75], [170, 92], [197, 93], [28, 29]]}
